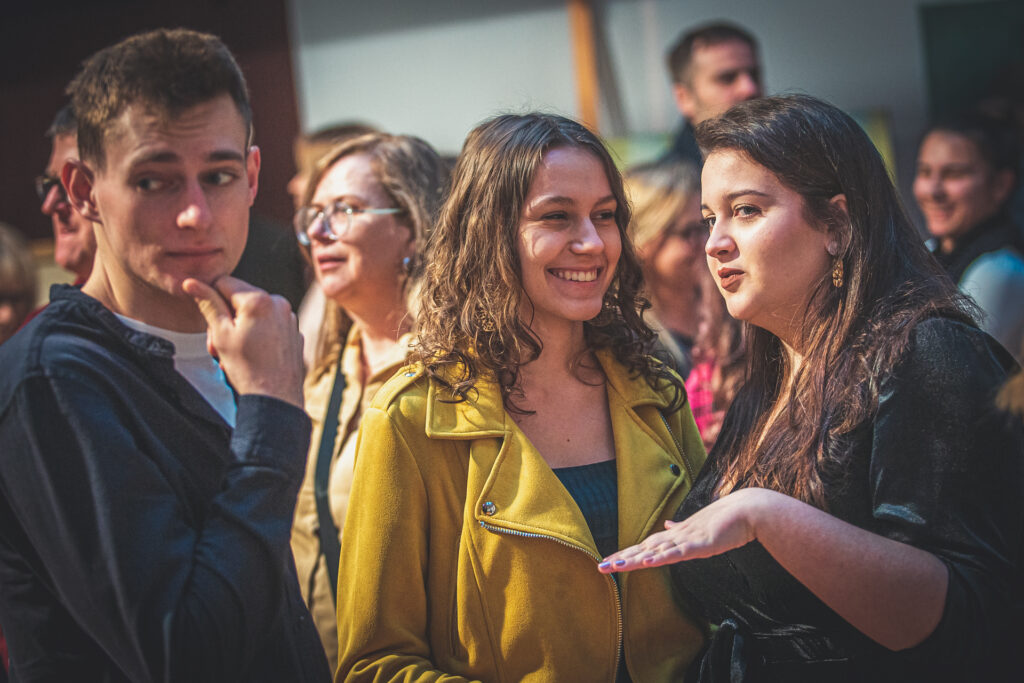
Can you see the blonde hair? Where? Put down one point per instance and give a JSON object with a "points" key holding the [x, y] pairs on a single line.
{"points": [[17, 272], [659, 192], [416, 179]]}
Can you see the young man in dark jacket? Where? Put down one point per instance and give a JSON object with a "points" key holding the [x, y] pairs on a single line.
{"points": [[152, 430]]}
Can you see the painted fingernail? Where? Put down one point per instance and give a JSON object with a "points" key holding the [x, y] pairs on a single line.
{"points": [[604, 565], [620, 563]]}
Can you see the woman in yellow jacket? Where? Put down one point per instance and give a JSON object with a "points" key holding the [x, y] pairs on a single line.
{"points": [[533, 433], [364, 220]]}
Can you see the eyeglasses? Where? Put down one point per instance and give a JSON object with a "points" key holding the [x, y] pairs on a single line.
{"points": [[696, 231], [45, 183], [336, 219]]}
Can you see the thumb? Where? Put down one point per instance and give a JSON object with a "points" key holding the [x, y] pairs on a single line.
{"points": [[211, 304]]}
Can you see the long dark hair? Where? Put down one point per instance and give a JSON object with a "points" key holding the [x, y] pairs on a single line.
{"points": [[472, 289], [852, 335]]}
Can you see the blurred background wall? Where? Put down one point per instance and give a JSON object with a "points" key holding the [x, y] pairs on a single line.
{"points": [[435, 68]]}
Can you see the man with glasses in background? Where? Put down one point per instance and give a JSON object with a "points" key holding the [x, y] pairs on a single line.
{"points": [[74, 245]]}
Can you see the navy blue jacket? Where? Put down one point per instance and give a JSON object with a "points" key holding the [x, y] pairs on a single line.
{"points": [[141, 539]]}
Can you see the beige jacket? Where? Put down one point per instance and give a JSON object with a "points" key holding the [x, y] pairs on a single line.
{"points": [[309, 562]]}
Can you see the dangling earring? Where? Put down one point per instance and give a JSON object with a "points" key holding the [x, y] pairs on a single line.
{"points": [[837, 273], [407, 265]]}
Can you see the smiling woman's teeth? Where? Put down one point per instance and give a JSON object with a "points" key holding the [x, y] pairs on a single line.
{"points": [[576, 275]]}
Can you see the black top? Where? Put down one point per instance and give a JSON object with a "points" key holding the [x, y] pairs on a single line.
{"points": [[595, 489], [141, 538], [939, 468]]}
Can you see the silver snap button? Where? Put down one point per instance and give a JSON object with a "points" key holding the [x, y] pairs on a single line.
{"points": [[489, 508], [410, 374]]}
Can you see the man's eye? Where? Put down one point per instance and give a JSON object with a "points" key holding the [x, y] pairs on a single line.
{"points": [[150, 184], [220, 178]]}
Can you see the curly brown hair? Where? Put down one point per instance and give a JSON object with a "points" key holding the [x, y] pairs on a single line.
{"points": [[469, 325]]}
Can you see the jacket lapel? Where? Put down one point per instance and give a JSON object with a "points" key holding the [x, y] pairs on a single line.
{"points": [[511, 488], [650, 467]]}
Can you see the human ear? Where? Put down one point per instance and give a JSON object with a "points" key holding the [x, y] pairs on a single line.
{"points": [[838, 204], [252, 172], [78, 180], [684, 100], [839, 232]]}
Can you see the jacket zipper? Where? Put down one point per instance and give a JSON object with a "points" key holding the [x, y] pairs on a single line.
{"points": [[614, 585], [686, 462]]}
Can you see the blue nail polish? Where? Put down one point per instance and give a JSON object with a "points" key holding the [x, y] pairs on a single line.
{"points": [[619, 563], [604, 565]]}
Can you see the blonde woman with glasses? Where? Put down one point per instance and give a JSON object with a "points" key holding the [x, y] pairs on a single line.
{"points": [[365, 216]]}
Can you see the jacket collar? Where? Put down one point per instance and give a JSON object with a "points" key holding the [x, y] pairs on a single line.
{"points": [[90, 308], [153, 353], [483, 414], [512, 488]]}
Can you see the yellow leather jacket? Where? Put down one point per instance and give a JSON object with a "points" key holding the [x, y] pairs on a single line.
{"points": [[462, 552]]}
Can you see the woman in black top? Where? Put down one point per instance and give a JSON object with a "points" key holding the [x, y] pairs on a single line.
{"points": [[860, 518]]}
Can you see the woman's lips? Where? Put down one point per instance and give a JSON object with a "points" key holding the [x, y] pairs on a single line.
{"points": [[326, 262], [729, 278]]}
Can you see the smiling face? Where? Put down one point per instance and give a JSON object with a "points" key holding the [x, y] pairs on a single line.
{"points": [[764, 254], [568, 242], [955, 187], [361, 270], [74, 244], [172, 202]]}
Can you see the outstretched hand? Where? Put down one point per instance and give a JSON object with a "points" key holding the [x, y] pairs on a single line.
{"points": [[727, 523], [254, 335]]}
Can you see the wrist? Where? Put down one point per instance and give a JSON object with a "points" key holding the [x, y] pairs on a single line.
{"points": [[764, 510]]}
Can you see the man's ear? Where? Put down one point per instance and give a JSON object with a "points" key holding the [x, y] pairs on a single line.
{"points": [[684, 100], [78, 180], [252, 172]]}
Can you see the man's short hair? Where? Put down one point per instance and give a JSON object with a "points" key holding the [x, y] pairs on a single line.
{"points": [[64, 123], [167, 70], [680, 57]]}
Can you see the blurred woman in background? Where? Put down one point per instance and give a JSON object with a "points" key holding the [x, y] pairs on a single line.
{"points": [[703, 342], [17, 282], [668, 234], [367, 211], [966, 174]]}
